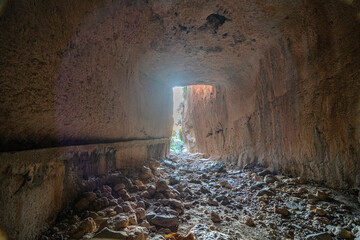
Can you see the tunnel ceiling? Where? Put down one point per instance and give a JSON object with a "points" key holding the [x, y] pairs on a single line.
{"points": [[181, 42], [86, 69], [208, 42], [202, 42]]}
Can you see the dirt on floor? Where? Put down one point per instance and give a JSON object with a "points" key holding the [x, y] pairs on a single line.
{"points": [[188, 196]]}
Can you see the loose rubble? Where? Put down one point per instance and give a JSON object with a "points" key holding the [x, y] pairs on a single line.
{"points": [[190, 197]]}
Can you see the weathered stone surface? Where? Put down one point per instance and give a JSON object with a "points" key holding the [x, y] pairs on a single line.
{"points": [[49, 178], [267, 192], [287, 115], [284, 90], [202, 232], [282, 211], [319, 236], [136, 233], [303, 94], [86, 226], [342, 233], [161, 186], [165, 221], [215, 217], [102, 101], [248, 221], [289, 212], [110, 234], [120, 222], [140, 213], [270, 179]]}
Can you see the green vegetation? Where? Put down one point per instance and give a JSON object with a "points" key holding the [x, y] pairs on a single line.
{"points": [[176, 143], [180, 136]]}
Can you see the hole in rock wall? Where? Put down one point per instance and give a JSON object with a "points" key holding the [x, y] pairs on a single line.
{"points": [[183, 137], [177, 142]]}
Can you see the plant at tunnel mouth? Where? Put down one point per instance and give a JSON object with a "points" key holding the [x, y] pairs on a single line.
{"points": [[176, 143]]}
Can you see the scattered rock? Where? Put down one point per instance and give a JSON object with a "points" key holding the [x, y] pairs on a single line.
{"points": [[86, 226], [126, 206], [110, 234], [320, 212], [177, 205], [248, 221], [174, 180], [218, 167], [225, 184], [136, 233], [257, 185], [161, 186], [323, 196], [342, 233], [146, 173], [118, 209], [202, 232], [82, 204], [282, 211], [270, 179], [165, 221], [265, 191], [140, 213], [90, 196], [133, 219], [121, 222], [215, 217], [135, 206], [119, 187], [300, 180], [319, 236], [212, 202], [204, 190], [178, 236], [264, 173]]}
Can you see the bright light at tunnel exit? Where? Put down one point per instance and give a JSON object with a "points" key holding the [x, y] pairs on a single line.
{"points": [[177, 144], [178, 99]]}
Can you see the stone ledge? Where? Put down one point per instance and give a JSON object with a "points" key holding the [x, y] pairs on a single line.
{"points": [[36, 184]]}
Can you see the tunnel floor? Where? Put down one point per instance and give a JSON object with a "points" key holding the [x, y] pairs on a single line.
{"points": [[189, 197]]}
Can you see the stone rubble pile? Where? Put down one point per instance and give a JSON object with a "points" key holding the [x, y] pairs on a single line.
{"points": [[190, 197]]}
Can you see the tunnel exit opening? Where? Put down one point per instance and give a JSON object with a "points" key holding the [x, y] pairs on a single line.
{"points": [[189, 102], [177, 141]]}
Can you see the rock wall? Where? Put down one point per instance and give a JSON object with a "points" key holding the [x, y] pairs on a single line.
{"points": [[70, 75], [203, 114], [100, 71], [36, 184], [299, 112]]}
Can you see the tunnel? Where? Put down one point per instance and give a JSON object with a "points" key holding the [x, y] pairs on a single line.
{"points": [[270, 119]]}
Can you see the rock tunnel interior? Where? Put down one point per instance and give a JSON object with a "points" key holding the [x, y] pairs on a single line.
{"points": [[86, 91]]}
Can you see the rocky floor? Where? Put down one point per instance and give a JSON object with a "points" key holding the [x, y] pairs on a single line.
{"points": [[190, 197]]}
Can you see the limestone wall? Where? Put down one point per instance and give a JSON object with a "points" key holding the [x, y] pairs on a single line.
{"points": [[36, 184], [299, 111], [70, 75], [286, 75]]}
